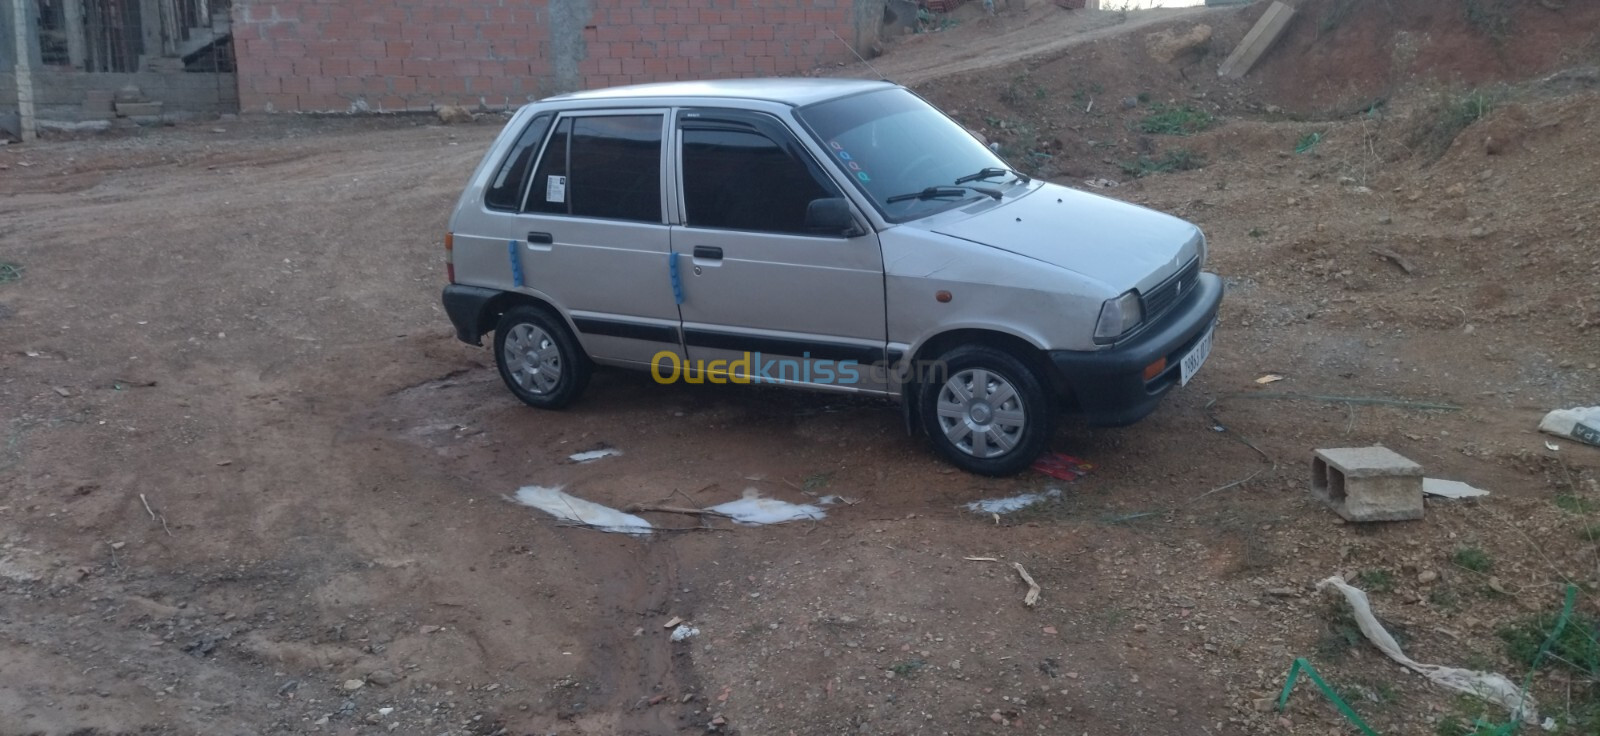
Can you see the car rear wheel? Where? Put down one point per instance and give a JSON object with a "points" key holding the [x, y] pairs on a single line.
{"points": [[539, 359], [988, 413]]}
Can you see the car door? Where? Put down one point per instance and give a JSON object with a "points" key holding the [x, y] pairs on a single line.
{"points": [[593, 233], [771, 292]]}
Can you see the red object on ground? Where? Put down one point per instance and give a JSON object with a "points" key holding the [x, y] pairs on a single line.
{"points": [[1063, 467]]}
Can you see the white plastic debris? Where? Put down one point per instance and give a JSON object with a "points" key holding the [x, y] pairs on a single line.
{"points": [[1490, 686], [753, 509], [592, 455], [1450, 489], [1581, 424], [554, 502], [1014, 503], [385, 711], [684, 631]]}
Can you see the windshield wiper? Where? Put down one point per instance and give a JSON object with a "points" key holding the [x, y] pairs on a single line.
{"points": [[992, 172], [943, 191]]}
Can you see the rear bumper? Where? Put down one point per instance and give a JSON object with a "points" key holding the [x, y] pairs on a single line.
{"points": [[465, 305], [1108, 386]]}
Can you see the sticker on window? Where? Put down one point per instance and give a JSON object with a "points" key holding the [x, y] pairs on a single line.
{"points": [[555, 189]]}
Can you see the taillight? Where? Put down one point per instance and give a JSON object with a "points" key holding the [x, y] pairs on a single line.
{"points": [[450, 256]]}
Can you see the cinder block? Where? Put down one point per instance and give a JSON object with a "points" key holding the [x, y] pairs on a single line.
{"points": [[138, 109], [1367, 483]]}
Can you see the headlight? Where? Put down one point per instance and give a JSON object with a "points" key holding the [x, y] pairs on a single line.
{"points": [[1117, 317]]}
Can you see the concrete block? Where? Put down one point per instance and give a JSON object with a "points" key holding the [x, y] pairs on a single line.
{"points": [[138, 109], [1261, 37], [1367, 483]]}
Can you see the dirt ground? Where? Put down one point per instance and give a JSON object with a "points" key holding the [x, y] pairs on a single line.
{"points": [[250, 483]]}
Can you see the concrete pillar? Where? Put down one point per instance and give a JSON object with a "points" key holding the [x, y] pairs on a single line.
{"points": [[77, 54], [23, 44], [150, 24]]}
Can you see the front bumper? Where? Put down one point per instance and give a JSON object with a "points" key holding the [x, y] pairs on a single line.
{"points": [[1108, 386]]}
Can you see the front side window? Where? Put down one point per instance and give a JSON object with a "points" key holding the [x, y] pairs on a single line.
{"points": [[893, 143], [744, 180], [506, 188], [605, 166]]}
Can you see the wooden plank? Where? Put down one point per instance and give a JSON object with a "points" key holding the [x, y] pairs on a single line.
{"points": [[1266, 32]]}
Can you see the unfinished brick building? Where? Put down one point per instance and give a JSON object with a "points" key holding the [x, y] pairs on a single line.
{"points": [[413, 54]]}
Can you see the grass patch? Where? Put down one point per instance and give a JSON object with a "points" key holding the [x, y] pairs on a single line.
{"points": [[1590, 533], [1176, 120], [1082, 95], [1445, 599], [1575, 504], [1257, 232], [1181, 159], [10, 272], [1576, 650], [1020, 89], [908, 668], [1472, 558], [817, 480], [1376, 581], [1449, 115]]}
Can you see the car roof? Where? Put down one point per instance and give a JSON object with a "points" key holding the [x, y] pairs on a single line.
{"points": [[797, 91]]}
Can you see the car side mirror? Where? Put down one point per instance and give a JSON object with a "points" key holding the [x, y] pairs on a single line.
{"points": [[831, 215]]}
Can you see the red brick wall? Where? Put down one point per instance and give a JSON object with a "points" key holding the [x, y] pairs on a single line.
{"points": [[414, 54]]}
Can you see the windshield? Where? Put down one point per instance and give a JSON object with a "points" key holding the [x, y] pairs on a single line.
{"points": [[892, 143]]}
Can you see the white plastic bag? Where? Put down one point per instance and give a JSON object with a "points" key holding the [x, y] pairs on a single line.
{"points": [[1581, 424], [1492, 687]]}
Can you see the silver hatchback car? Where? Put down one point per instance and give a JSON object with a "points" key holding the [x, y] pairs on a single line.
{"points": [[840, 235]]}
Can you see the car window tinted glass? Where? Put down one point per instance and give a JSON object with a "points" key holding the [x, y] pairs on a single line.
{"points": [[614, 170], [892, 142], [547, 193], [505, 189], [743, 180]]}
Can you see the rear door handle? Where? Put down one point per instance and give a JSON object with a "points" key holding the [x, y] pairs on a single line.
{"points": [[541, 238], [708, 252]]}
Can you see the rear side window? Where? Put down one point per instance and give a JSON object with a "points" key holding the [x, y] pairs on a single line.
{"points": [[605, 166], [506, 188], [743, 180]]}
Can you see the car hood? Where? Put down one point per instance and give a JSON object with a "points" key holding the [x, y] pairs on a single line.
{"points": [[1121, 245]]}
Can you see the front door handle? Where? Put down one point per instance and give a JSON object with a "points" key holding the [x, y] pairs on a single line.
{"points": [[708, 252], [541, 238]]}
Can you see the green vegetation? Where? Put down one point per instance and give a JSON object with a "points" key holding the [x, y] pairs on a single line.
{"points": [[1376, 581], [817, 480], [1257, 232], [1020, 89], [1472, 558], [907, 668], [1451, 113], [1576, 649], [1082, 95], [1176, 120], [1181, 159], [1575, 504]]}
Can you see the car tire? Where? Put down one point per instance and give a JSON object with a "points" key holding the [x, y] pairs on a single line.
{"points": [[539, 359], [1000, 432]]}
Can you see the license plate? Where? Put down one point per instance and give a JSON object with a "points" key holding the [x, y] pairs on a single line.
{"points": [[1197, 357]]}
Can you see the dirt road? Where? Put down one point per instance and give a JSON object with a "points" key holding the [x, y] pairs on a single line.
{"points": [[249, 482]]}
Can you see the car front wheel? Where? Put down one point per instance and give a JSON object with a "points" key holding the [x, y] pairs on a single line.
{"points": [[988, 413]]}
